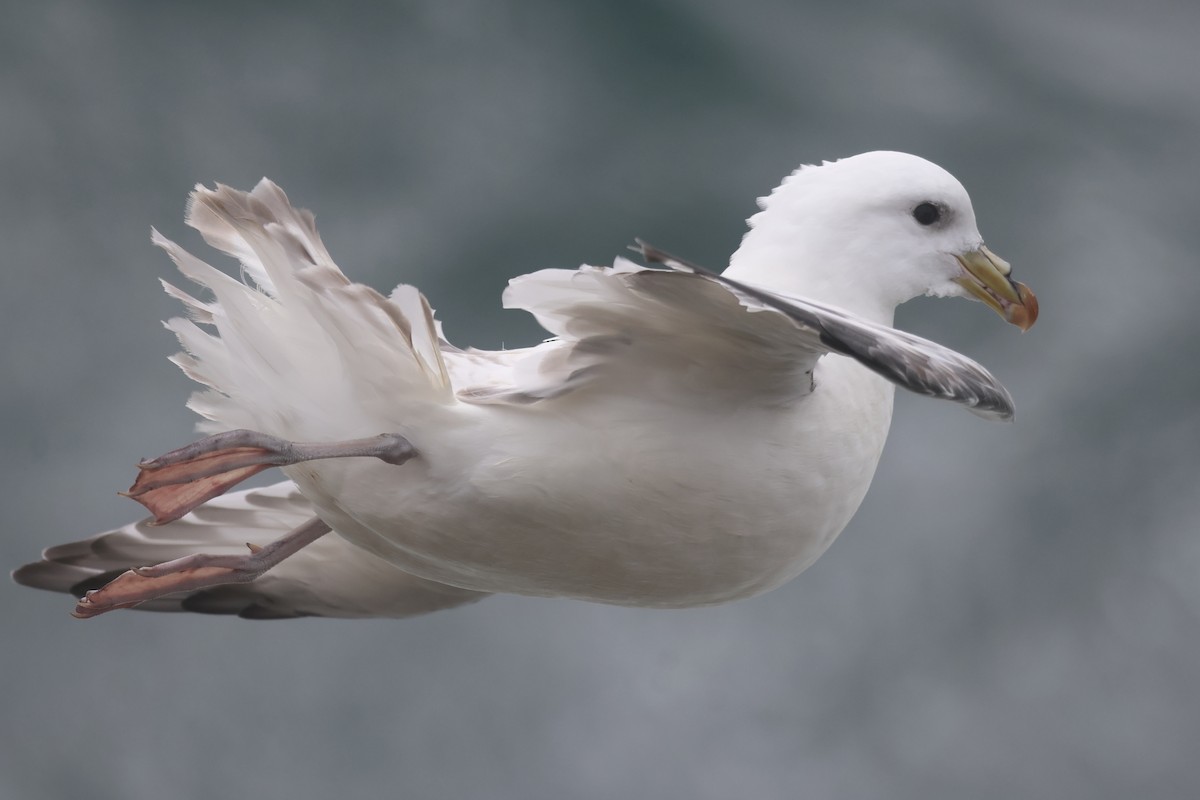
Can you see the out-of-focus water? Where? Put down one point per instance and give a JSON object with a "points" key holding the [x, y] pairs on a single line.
{"points": [[1013, 613]]}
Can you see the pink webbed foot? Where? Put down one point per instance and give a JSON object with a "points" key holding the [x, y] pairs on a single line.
{"points": [[175, 483], [191, 573]]}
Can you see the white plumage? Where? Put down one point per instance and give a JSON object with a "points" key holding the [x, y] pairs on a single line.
{"points": [[685, 438]]}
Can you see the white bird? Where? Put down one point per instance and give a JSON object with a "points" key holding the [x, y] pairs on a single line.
{"points": [[685, 439]]}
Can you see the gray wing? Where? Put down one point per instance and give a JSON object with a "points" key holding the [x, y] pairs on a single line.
{"points": [[628, 329], [916, 364], [328, 578]]}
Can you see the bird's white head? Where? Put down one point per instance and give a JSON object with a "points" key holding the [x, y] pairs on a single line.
{"points": [[871, 231]]}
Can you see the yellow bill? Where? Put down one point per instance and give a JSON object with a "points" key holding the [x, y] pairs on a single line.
{"points": [[986, 276]]}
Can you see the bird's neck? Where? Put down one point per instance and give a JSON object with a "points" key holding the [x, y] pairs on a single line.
{"points": [[795, 247], [792, 263]]}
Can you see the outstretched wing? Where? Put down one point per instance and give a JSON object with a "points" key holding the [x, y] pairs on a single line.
{"points": [[916, 364], [328, 578], [627, 327], [295, 348], [632, 330]]}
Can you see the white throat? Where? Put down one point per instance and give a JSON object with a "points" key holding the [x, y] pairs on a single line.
{"points": [[843, 234], [789, 260]]}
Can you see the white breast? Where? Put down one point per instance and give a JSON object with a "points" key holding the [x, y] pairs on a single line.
{"points": [[619, 501]]}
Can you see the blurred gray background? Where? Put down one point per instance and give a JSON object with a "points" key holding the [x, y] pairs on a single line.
{"points": [[1013, 613]]}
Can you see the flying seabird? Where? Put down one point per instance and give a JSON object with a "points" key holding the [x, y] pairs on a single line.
{"points": [[685, 438]]}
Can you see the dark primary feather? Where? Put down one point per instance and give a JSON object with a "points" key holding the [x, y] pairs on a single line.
{"points": [[917, 364]]}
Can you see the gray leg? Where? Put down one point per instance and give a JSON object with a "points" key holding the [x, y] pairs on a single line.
{"points": [[200, 571], [173, 484]]}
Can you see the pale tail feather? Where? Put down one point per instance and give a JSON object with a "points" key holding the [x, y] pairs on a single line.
{"points": [[330, 577]]}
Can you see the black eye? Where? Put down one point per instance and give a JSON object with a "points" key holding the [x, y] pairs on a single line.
{"points": [[927, 213]]}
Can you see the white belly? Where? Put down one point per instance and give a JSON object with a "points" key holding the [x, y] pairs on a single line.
{"points": [[609, 500]]}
